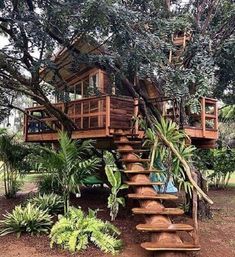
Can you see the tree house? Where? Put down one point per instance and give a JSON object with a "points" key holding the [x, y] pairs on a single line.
{"points": [[99, 110]]}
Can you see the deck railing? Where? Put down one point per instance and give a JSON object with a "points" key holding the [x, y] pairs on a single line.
{"points": [[100, 112]]}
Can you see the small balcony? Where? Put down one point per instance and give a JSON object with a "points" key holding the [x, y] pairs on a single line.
{"points": [[94, 117]]}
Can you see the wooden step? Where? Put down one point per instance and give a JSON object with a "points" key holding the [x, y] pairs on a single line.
{"points": [[166, 228], [125, 134], [128, 142], [153, 197], [134, 160], [133, 150], [131, 183], [141, 171], [152, 246], [165, 211]]}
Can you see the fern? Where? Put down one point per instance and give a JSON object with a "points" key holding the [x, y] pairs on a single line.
{"points": [[76, 230]]}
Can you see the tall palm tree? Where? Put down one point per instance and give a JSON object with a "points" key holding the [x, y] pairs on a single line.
{"points": [[70, 165]]}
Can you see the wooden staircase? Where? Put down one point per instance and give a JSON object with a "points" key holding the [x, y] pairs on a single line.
{"points": [[163, 233]]}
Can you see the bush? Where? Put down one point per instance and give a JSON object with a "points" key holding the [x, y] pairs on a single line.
{"points": [[51, 203], [28, 219], [75, 230], [49, 184]]}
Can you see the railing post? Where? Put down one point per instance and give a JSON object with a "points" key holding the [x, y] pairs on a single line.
{"points": [[194, 213], [25, 127], [216, 116], [136, 111], [203, 118], [107, 115]]}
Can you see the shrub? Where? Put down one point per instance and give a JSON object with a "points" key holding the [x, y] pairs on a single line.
{"points": [[28, 219], [49, 184], [51, 203], [115, 179], [75, 230]]}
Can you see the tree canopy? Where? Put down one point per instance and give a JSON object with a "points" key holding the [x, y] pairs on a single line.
{"points": [[137, 39]]}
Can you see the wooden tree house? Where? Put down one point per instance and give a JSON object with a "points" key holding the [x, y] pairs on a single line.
{"points": [[108, 118]]}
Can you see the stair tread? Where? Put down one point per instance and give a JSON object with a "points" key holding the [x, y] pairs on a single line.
{"points": [[132, 150], [141, 171], [127, 134], [132, 183], [165, 211], [157, 246], [156, 196], [128, 142], [134, 160], [164, 228]]}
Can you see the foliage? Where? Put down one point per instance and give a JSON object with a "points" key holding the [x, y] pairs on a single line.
{"points": [[137, 36], [13, 156], [70, 165], [75, 231], [51, 203], [115, 179], [220, 163], [28, 219], [49, 184], [161, 153]]}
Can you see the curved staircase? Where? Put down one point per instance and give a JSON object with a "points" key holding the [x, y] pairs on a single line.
{"points": [[164, 234]]}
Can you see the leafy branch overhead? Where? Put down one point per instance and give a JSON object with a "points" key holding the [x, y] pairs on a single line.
{"points": [[135, 38]]}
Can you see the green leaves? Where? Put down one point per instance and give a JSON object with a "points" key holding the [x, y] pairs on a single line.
{"points": [[51, 203], [28, 219], [115, 179], [76, 230]]}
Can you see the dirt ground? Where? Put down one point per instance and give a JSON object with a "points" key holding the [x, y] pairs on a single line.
{"points": [[217, 236]]}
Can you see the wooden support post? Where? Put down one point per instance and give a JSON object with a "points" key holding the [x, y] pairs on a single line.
{"points": [[136, 111], [203, 116], [26, 127], [107, 115], [216, 116], [194, 213]]}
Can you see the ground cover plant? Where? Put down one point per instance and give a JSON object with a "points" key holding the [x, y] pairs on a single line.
{"points": [[51, 203], [29, 219], [76, 230]]}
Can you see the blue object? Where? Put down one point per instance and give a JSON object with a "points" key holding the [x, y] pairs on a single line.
{"points": [[156, 177]]}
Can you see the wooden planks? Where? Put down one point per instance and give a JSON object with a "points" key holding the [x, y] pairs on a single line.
{"points": [[165, 211], [164, 228], [152, 246], [153, 197]]}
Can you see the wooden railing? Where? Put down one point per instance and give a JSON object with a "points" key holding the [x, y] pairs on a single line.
{"points": [[100, 112]]}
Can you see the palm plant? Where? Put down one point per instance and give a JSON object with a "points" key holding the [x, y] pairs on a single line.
{"points": [[70, 165], [76, 230]]}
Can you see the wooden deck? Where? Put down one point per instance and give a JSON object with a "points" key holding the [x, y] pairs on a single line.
{"points": [[98, 117], [95, 117]]}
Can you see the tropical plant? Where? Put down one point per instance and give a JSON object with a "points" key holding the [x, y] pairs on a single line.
{"points": [[13, 161], [49, 184], [28, 219], [115, 179], [75, 231], [70, 165], [51, 203], [169, 145]]}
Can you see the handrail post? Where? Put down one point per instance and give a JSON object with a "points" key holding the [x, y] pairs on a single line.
{"points": [[25, 127], [203, 118], [136, 111], [107, 122], [194, 213]]}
